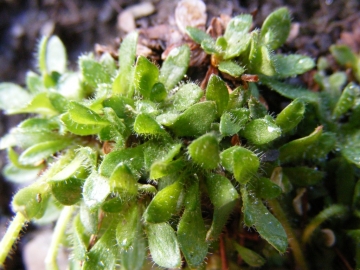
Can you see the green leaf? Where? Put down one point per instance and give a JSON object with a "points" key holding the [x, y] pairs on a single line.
{"points": [[123, 181], [314, 146], [191, 232], [346, 100], [21, 175], [13, 97], [162, 168], [335, 210], [164, 204], [70, 86], [104, 254], [250, 257], [39, 152], [343, 55], [256, 108], [67, 192], [34, 83], [245, 164], [56, 58], [266, 189], [187, 95], [237, 35], [204, 151], [146, 75], [89, 218], [261, 60], [232, 121], [261, 131], [124, 82], [288, 90], [108, 63], [79, 129], [75, 167], [40, 104], [80, 239], [175, 66], [163, 245], [303, 176], [223, 196], [133, 258], [96, 189], [13, 157], [81, 114], [197, 35], [196, 120], [92, 71], [256, 214], [291, 116], [158, 92], [32, 201], [132, 157], [113, 205], [120, 105], [41, 54], [128, 228], [276, 28], [145, 124], [59, 102], [209, 47], [351, 154], [231, 68], [292, 65], [217, 91]]}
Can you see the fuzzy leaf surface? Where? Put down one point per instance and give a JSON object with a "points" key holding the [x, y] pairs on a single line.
{"points": [[237, 35], [124, 82], [196, 120], [231, 122], [250, 257], [217, 91], [163, 245], [223, 196], [31, 201], [292, 65], [291, 115], [186, 96], [231, 68], [12, 97], [276, 28], [164, 204], [205, 151], [175, 66], [261, 131], [191, 232], [256, 214], [146, 75], [56, 58], [96, 189]]}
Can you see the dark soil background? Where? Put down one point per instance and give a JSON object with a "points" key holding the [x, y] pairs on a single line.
{"points": [[81, 24]]}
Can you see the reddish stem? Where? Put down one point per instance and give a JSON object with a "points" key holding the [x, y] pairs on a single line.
{"points": [[224, 264]]}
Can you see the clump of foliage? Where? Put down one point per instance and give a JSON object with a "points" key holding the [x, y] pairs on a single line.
{"points": [[129, 157]]}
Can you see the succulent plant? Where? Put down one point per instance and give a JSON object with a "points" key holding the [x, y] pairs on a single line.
{"points": [[127, 156]]}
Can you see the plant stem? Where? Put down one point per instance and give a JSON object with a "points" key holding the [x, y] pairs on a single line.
{"points": [[11, 236], [293, 241], [59, 231]]}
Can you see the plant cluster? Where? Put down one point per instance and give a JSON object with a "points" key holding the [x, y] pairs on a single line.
{"points": [[129, 157]]}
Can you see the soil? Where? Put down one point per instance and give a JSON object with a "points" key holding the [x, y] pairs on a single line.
{"points": [[82, 24]]}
